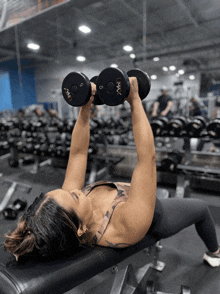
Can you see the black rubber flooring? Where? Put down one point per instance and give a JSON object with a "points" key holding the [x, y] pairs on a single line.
{"points": [[181, 253]]}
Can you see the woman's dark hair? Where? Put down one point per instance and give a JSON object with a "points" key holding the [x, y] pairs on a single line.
{"points": [[47, 230]]}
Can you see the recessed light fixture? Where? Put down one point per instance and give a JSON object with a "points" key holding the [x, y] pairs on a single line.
{"points": [[153, 77], [181, 71], [165, 68], [33, 46], [113, 65], [80, 58], [156, 59], [132, 55], [172, 67], [192, 77], [128, 48], [84, 29]]}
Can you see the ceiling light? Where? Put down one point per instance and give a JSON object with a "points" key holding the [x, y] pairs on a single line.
{"points": [[113, 65], [165, 68], [132, 55], [156, 59], [192, 77], [128, 48], [172, 67], [33, 46], [80, 58], [153, 77], [181, 71], [84, 29]]}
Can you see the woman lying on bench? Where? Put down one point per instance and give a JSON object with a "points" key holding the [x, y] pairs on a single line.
{"points": [[106, 213]]}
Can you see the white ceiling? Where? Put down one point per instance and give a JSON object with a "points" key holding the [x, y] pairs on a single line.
{"points": [[184, 33]]}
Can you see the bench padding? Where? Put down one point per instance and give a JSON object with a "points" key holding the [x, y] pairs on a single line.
{"points": [[63, 274]]}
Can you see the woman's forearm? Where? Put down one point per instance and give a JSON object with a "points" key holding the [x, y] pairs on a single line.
{"points": [[142, 131], [81, 132]]}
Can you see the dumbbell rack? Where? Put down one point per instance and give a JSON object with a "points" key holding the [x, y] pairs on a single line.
{"points": [[197, 170]]}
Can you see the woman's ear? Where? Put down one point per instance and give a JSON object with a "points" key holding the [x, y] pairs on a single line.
{"points": [[81, 230]]}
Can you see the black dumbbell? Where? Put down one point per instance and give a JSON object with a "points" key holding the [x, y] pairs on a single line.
{"points": [[113, 85], [196, 126], [12, 211], [213, 128], [177, 125], [159, 125], [169, 163], [76, 89]]}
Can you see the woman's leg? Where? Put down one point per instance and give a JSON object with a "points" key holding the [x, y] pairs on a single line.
{"points": [[181, 213]]}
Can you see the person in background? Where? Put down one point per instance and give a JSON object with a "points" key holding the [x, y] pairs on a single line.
{"points": [[163, 105], [195, 108]]}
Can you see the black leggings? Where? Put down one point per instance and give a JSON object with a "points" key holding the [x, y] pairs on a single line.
{"points": [[178, 214]]}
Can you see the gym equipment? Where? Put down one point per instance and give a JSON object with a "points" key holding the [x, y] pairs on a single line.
{"points": [[113, 85], [11, 212], [159, 126], [177, 125], [13, 186], [213, 128], [170, 162], [196, 126], [66, 273], [76, 89]]}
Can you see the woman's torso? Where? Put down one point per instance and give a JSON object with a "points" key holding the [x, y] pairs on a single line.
{"points": [[108, 198]]}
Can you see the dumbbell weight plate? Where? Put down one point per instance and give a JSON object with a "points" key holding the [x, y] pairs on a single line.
{"points": [[144, 83], [113, 86], [76, 89], [214, 128], [97, 99]]}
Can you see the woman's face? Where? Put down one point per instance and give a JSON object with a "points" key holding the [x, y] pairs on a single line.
{"points": [[75, 199]]}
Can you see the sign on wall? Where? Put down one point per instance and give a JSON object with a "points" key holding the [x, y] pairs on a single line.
{"points": [[13, 12]]}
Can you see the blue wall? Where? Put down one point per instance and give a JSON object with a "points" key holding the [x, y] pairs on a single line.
{"points": [[26, 95], [5, 91]]}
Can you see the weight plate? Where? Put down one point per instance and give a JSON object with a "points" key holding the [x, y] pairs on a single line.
{"points": [[113, 86], [144, 83], [76, 89]]}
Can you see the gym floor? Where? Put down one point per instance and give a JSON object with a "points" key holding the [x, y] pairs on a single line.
{"points": [[181, 253]]}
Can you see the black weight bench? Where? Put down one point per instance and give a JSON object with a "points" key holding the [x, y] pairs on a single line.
{"points": [[64, 274]]}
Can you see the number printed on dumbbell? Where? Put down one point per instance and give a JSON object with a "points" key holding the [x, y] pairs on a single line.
{"points": [[118, 86]]}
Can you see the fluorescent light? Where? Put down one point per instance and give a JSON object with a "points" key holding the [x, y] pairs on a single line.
{"points": [[153, 77], [181, 71], [165, 68], [114, 65], [84, 29], [192, 77], [132, 55], [156, 59], [80, 58], [33, 46], [128, 48], [172, 67]]}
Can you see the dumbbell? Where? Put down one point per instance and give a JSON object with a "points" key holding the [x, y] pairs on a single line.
{"points": [[177, 125], [213, 128], [113, 85], [196, 126], [159, 125], [169, 163], [77, 90], [12, 211]]}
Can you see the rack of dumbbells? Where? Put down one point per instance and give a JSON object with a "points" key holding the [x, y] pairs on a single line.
{"points": [[181, 158]]}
